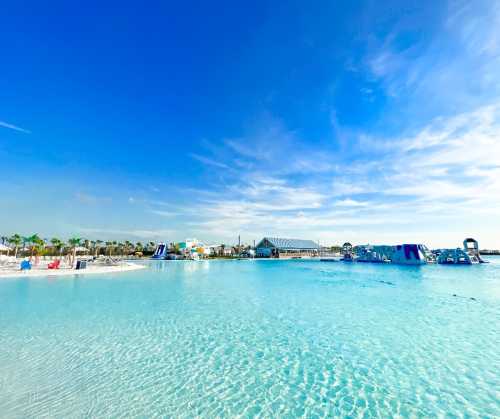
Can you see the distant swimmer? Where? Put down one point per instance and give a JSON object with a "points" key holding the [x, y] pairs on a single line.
{"points": [[470, 298]]}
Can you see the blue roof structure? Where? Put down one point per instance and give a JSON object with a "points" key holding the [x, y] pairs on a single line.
{"points": [[288, 244]]}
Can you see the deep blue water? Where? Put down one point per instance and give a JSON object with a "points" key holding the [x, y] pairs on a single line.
{"points": [[253, 338]]}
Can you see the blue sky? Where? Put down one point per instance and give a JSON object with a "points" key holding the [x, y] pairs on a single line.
{"points": [[368, 122]]}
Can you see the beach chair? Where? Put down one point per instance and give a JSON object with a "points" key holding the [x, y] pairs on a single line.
{"points": [[25, 265], [54, 265], [8, 262]]}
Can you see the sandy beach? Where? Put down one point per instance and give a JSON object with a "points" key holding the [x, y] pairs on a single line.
{"points": [[91, 269]]}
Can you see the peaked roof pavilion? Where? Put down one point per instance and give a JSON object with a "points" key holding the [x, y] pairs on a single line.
{"points": [[288, 244]]}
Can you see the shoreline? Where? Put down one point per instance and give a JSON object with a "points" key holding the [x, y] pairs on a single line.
{"points": [[90, 270]]}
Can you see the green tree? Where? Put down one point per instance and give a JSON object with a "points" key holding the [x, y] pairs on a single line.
{"points": [[109, 246], [16, 240], [98, 244], [128, 246], [57, 244], [35, 243], [74, 242]]}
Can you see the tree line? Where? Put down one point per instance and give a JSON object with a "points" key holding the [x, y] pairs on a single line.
{"points": [[34, 245]]}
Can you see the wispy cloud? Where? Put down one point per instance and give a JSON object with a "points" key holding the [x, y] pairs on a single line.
{"points": [[208, 161], [443, 172], [268, 148], [163, 213], [458, 159], [14, 127], [350, 203], [453, 68]]}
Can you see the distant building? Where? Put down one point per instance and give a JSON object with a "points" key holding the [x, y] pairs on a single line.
{"points": [[221, 250], [188, 244], [276, 247], [192, 248]]}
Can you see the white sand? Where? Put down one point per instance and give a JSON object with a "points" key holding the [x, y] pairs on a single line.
{"points": [[91, 269]]}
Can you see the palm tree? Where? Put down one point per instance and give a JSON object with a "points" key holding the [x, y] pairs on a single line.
{"points": [[74, 242], [26, 241], [35, 243], [57, 243], [128, 246], [16, 240], [109, 246], [97, 246], [37, 246], [139, 247]]}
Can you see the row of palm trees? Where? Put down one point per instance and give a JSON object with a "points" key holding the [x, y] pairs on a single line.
{"points": [[35, 245]]}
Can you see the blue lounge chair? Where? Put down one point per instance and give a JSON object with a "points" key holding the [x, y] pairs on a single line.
{"points": [[25, 265]]}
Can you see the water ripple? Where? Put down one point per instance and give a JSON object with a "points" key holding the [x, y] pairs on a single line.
{"points": [[250, 340]]}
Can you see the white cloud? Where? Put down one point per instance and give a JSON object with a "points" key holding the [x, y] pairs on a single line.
{"points": [[453, 68], [444, 174], [14, 127], [349, 203], [343, 187], [163, 213], [209, 161], [458, 158]]}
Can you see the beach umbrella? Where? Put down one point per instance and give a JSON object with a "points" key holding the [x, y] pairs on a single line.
{"points": [[4, 248]]}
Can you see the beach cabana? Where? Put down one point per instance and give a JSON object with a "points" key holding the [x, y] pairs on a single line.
{"points": [[278, 247]]}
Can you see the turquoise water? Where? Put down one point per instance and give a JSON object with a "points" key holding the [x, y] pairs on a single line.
{"points": [[253, 338]]}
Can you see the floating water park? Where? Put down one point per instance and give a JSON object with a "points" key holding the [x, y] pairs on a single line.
{"points": [[283, 248], [414, 254]]}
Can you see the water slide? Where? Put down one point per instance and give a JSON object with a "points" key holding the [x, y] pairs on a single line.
{"points": [[160, 251]]}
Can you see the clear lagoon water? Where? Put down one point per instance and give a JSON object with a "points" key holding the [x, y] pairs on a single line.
{"points": [[253, 338]]}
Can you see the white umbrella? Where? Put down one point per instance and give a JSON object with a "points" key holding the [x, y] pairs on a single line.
{"points": [[81, 249], [4, 248]]}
